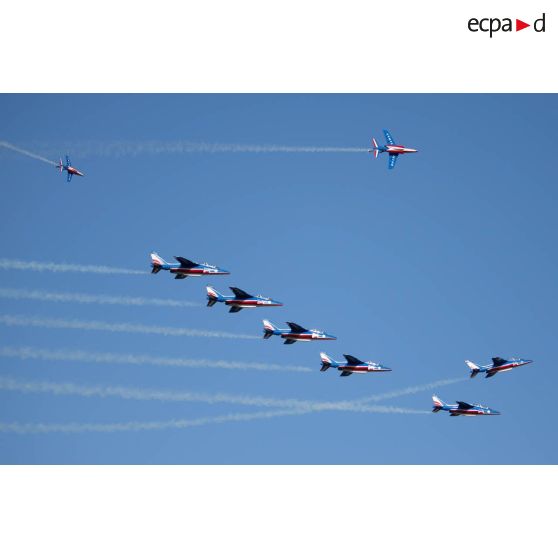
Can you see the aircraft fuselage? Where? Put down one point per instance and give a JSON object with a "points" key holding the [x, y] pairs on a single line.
{"points": [[362, 368], [398, 149], [307, 336], [195, 271], [251, 303], [72, 170]]}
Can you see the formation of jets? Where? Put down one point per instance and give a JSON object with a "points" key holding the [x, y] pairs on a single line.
{"points": [[240, 299]]}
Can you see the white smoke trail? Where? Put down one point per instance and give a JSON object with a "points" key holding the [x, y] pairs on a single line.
{"points": [[82, 298], [55, 323], [64, 268], [27, 153], [76, 428], [33, 353], [411, 390], [119, 149], [68, 388]]}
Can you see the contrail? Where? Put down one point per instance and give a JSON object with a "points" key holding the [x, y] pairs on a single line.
{"points": [[67, 388], [82, 298], [55, 323], [33, 353], [63, 267], [76, 427], [27, 153], [117, 149]]}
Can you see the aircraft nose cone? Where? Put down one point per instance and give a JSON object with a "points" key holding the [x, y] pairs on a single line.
{"points": [[332, 337]]}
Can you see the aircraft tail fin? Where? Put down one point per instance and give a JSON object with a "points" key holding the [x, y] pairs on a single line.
{"points": [[327, 362], [475, 368], [269, 329], [213, 296], [375, 148], [156, 262], [437, 404]]}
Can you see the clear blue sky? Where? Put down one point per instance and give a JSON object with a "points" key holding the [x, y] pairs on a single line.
{"points": [[450, 256]]}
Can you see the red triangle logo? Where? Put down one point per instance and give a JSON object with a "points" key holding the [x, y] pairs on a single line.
{"points": [[519, 25]]}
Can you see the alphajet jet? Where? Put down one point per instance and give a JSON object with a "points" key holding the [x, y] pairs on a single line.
{"points": [[295, 333], [462, 408], [240, 300], [69, 169], [184, 268], [498, 365], [352, 366], [390, 148]]}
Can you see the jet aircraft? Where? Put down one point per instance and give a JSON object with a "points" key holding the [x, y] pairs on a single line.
{"points": [[462, 408], [184, 268], [353, 365], [498, 365], [68, 168], [390, 148], [241, 299], [295, 333]]}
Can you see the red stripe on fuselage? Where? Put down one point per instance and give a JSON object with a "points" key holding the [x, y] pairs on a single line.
{"points": [[503, 367], [299, 336], [361, 368], [194, 271]]}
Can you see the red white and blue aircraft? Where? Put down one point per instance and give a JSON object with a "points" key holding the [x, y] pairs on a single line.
{"points": [[352, 366], [240, 300], [462, 409], [68, 168], [295, 333], [184, 268], [390, 148], [498, 365]]}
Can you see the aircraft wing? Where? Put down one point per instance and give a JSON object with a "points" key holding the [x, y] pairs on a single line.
{"points": [[289, 341], [389, 139], [235, 309], [180, 276], [184, 262], [392, 161], [490, 374], [68, 161], [463, 405], [69, 177], [295, 328], [353, 360], [345, 373], [239, 293], [497, 361]]}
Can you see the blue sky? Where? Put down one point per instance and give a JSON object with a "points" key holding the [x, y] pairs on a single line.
{"points": [[450, 256]]}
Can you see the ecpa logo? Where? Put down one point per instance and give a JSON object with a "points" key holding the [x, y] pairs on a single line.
{"points": [[494, 24]]}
